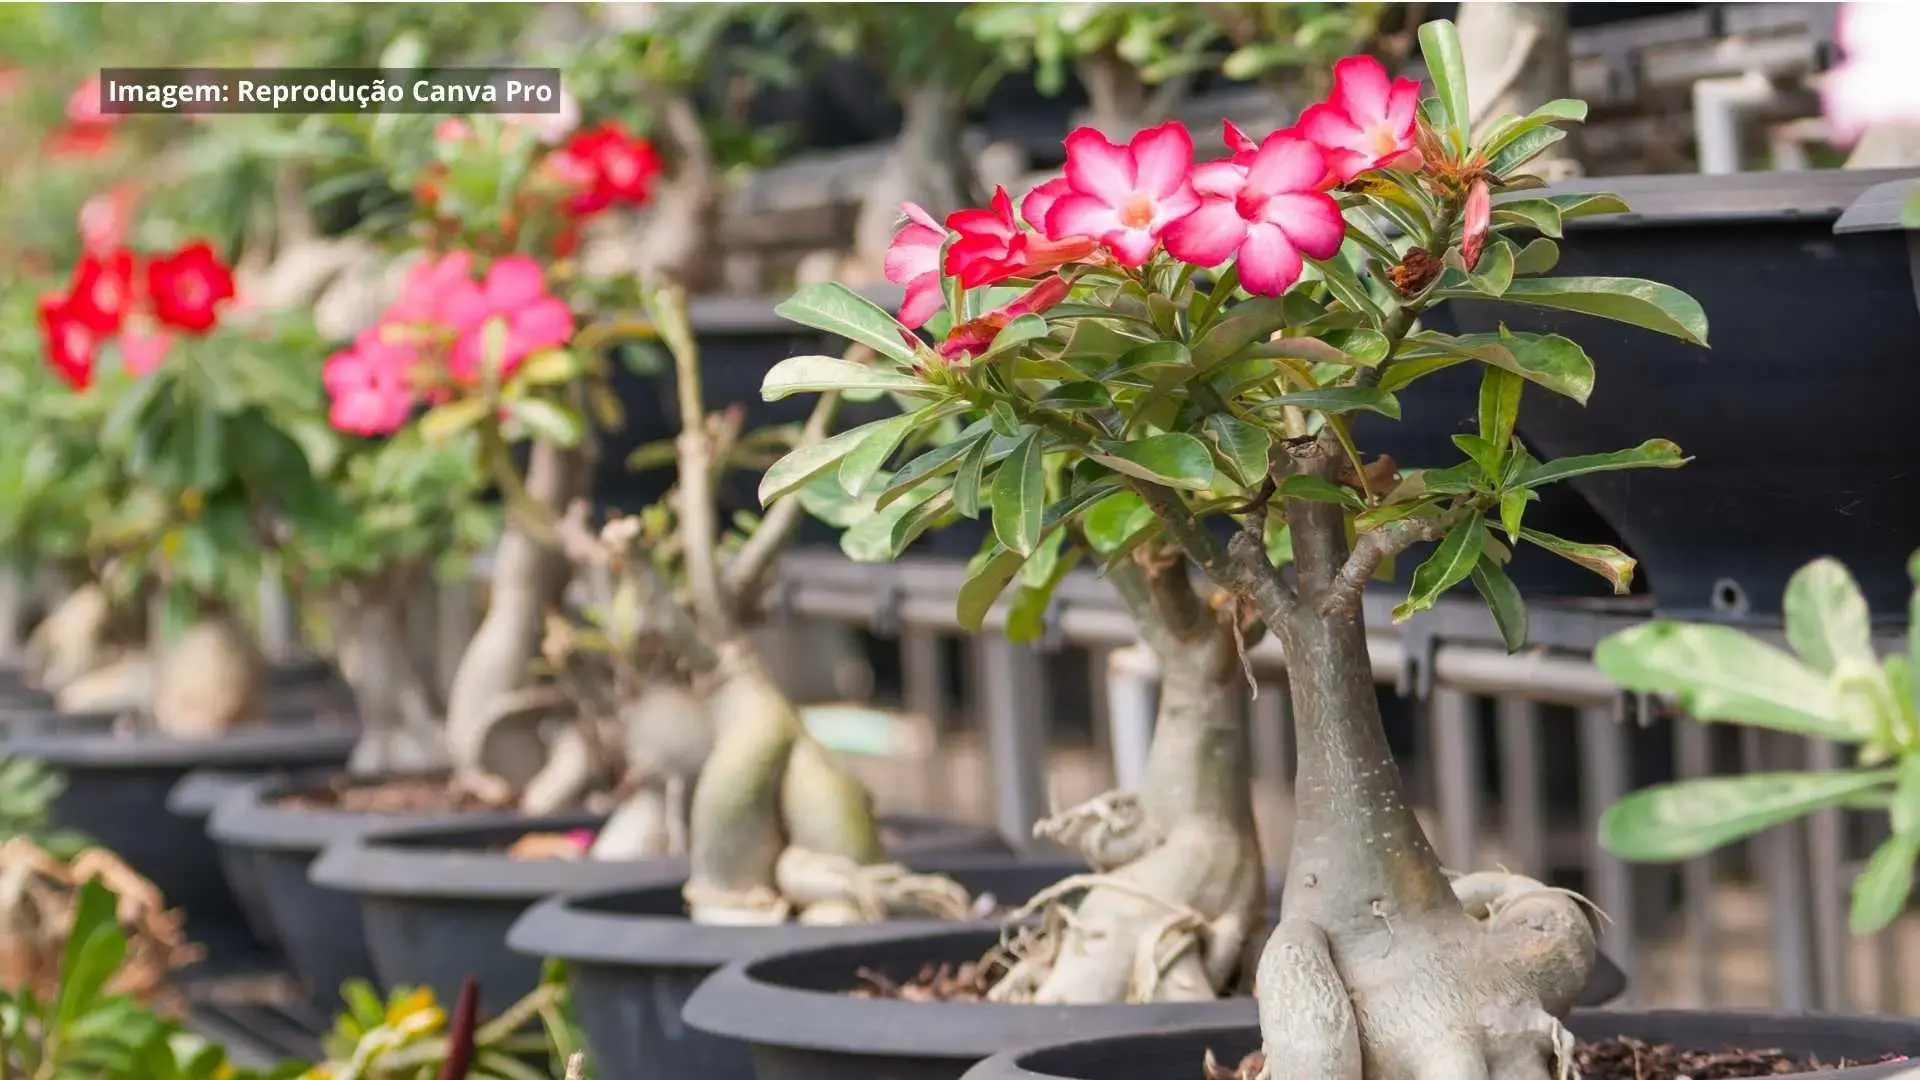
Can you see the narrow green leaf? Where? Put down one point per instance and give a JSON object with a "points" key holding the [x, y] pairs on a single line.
{"points": [[1245, 447], [1524, 148], [1109, 523], [865, 460], [1015, 334], [1503, 599], [1652, 454], [1636, 302], [1096, 343], [802, 374], [1541, 215], [966, 482], [1176, 460], [1005, 421], [880, 535], [1550, 360], [1499, 406], [1880, 892], [1348, 348], [1693, 817], [1026, 616], [984, 585], [1339, 399], [1449, 565], [935, 462], [1483, 453], [1719, 673], [1440, 48], [1503, 132], [1019, 496], [1513, 508], [1609, 562], [1244, 324], [804, 463], [1145, 358], [1319, 489], [1588, 204], [1827, 619], [1538, 257], [833, 307], [1077, 395]]}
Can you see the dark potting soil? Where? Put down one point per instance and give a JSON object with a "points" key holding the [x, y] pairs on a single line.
{"points": [[1623, 1058], [411, 795]]}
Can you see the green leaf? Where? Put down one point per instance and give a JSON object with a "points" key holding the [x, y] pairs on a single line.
{"points": [[548, 422], [866, 459], [1176, 460], [803, 374], [1495, 270], [1078, 395], [984, 585], [1538, 257], [1019, 495], [1499, 406], [1550, 360], [1502, 133], [443, 422], [966, 482], [1113, 520], [1880, 892], [1634, 301], [1588, 204], [1719, 673], [1449, 565], [935, 462], [1026, 616], [1609, 562], [1339, 399], [1541, 215], [1525, 148], [1691, 818], [1319, 489], [1503, 599], [1827, 619], [1652, 454], [1348, 348], [806, 462], [1015, 334], [96, 947], [833, 307], [1440, 48], [1242, 325], [1143, 358], [1513, 508], [1246, 447]]}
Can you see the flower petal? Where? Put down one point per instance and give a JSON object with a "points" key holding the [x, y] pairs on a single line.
{"points": [[515, 281], [1360, 88], [1078, 214], [1312, 222], [1219, 179], [1208, 236], [1035, 207], [1173, 206], [1237, 140], [1403, 105], [1269, 265], [1162, 158], [1133, 247], [920, 217], [1327, 126], [1286, 163], [922, 301], [1098, 168]]}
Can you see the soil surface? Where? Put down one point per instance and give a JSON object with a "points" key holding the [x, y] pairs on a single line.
{"points": [[934, 982], [1631, 1059], [409, 795]]}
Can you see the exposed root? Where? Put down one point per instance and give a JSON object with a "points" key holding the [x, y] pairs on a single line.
{"points": [[650, 823], [1110, 829], [572, 770], [71, 641], [207, 682], [870, 893], [122, 685]]}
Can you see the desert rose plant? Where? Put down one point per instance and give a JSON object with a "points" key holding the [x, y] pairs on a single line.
{"points": [[1179, 347]]}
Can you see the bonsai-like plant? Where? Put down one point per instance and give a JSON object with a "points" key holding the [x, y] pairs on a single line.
{"points": [[1832, 685], [1187, 346]]}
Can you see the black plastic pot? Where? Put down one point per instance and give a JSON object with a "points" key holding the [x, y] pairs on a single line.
{"points": [[437, 901], [1178, 1052], [633, 958], [792, 1009], [1798, 418], [194, 798], [117, 791]]}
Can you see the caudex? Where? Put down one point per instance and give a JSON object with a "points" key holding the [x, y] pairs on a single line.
{"points": [[1156, 355]]}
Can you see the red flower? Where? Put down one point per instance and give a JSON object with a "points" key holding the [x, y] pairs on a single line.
{"points": [[102, 292], [993, 247], [607, 167], [79, 142], [1264, 216], [1126, 195], [1476, 219], [913, 263], [186, 287], [83, 107], [975, 335], [71, 343], [1367, 122]]}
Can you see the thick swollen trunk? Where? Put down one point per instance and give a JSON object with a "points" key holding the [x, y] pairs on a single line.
{"points": [[777, 829], [1381, 968], [491, 741], [207, 681], [1518, 59], [1178, 889], [399, 718], [677, 243], [928, 166]]}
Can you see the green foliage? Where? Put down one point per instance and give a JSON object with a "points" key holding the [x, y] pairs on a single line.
{"points": [[86, 1033], [408, 1035], [28, 788], [1174, 384], [1831, 686]]}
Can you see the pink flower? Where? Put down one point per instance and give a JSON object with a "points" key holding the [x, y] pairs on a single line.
{"points": [[1039, 202], [143, 348], [1367, 122], [514, 298], [913, 263], [1239, 142], [103, 219], [1874, 84], [1265, 216], [975, 335], [1476, 219], [1126, 196], [549, 128], [993, 247], [429, 282], [83, 107], [369, 385]]}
